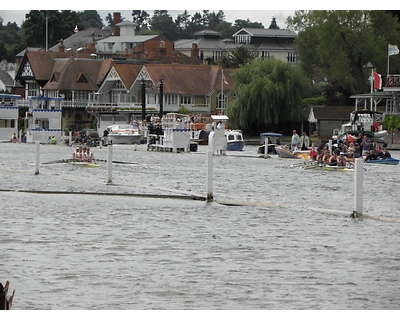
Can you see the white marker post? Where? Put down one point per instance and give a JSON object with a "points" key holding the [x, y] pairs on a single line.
{"points": [[37, 158], [70, 138], [109, 163], [358, 186], [210, 175], [266, 148], [330, 146]]}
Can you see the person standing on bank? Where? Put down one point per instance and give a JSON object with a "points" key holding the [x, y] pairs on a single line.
{"points": [[304, 141], [295, 140]]}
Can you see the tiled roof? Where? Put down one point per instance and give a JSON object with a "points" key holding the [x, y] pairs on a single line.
{"points": [[5, 77], [74, 74], [189, 79], [128, 73], [261, 32], [82, 38], [42, 62]]}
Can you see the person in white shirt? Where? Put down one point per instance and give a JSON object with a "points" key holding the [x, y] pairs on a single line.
{"points": [[295, 140]]}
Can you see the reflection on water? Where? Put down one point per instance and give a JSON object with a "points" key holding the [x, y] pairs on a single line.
{"points": [[291, 244]]}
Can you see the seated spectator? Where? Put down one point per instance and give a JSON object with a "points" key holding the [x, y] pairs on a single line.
{"points": [[386, 154], [371, 156], [341, 160]]}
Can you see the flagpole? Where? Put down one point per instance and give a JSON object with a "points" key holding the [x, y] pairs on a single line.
{"points": [[387, 73], [222, 91], [372, 85], [47, 33]]}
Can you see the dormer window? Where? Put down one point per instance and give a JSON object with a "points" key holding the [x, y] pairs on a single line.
{"points": [[81, 78]]}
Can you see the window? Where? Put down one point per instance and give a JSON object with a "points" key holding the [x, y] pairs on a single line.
{"points": [[7, 123], [222, 100], [187, 100], [291, 57], [265, 55], [216, 55], [33, 89], [242, 38], [170, 99]]}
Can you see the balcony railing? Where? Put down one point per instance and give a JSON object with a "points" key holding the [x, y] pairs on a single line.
{"points": [[392, 81]]}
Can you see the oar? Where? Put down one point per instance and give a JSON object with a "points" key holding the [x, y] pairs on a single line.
{"points": [[57, 161], [119, 162]]}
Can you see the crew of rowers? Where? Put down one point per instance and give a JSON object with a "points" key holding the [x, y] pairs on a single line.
{"points": [[83, 154], [341, 156]]}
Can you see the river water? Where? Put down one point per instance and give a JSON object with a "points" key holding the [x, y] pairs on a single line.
{"points": [[276, 236]]}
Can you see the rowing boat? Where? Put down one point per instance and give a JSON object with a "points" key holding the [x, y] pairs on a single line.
{"points": [[319, 166], [84, 164]]}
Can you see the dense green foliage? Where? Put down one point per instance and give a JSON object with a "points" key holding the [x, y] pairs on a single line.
{"points": [[238, 57], [267, 93], [342, 43]]}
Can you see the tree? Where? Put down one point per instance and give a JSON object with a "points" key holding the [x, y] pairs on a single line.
{"points": [[110, 20], [61, 25], [238, 57], [89, 19], [273, 24], [11, 42], [268, 93], [392, 122], [247, 24], [162, 24], [341, 43], [140, 17]]}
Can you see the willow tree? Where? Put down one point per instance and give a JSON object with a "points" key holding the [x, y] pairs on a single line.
{"points": [[268, 93]]}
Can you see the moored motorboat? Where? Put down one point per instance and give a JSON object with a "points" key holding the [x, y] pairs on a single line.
{"points": [[362, 122], [386, 161], [124, 134], [235, 141], [284, 152], [272, 139]]}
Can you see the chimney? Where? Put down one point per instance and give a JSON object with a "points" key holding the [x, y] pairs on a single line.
{"points": [[194, 53], [61, 47], [117, 19]]}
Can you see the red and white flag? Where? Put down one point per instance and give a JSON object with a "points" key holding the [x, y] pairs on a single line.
{"points": [[377, 81], [223, 77], [76, 28]]}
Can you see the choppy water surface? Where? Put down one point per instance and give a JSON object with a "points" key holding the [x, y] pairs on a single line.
{"points": [[291, 244]]}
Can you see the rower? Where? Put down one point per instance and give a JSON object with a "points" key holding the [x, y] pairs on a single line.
{"points": [[76, 155], [88, 155]]}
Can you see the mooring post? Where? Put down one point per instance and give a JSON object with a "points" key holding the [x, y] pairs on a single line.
{"points": [[37, 156], [70, 138], [358, 187], [266, 148], [210, 175], [109, 163]]}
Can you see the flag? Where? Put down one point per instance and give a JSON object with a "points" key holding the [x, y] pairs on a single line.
{"points": [[223, 77], [76, 28], [392, 50], [377, 81]]}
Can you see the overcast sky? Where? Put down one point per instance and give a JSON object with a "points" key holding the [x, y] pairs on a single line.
{"points": [[255, 11], [263, 16]]}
